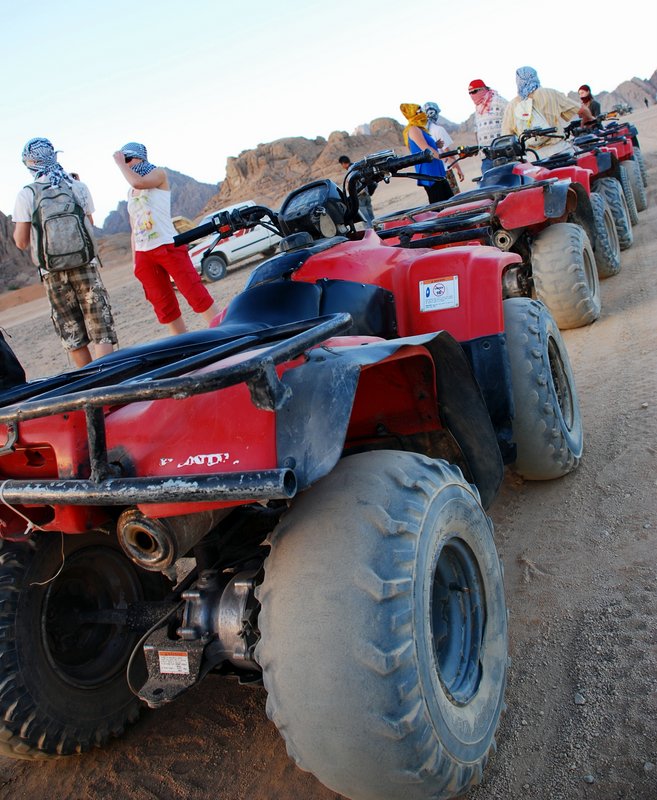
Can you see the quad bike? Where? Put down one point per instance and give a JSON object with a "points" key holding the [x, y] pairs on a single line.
{"points": [[564, 238], [621, 141], [322, 459]]}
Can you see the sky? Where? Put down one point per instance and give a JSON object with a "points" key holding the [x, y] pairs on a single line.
{"points": [[198, 81]]}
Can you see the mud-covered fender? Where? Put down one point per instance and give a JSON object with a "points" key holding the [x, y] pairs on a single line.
{"points": [[555, 199], [312, 426]]}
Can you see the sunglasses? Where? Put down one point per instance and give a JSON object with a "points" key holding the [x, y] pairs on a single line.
{"points": [[474, 91], [128, 159]]}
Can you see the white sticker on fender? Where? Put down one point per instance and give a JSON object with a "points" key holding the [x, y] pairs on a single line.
{"points": [[173, 662], [439, 293]]}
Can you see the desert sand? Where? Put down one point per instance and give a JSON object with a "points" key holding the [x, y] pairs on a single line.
{"points": [[580, 556]]}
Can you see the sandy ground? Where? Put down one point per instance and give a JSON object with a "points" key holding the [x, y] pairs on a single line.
{"points": [[581, 580]]}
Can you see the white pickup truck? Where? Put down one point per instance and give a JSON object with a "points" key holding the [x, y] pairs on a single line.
{"points": [[211, 264]]}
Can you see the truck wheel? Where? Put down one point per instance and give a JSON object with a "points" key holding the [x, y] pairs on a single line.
{"points": [[626, 173], [547, 426], [607, 246], [63, 686], [384, 632], [214, 267], [641, 164], [565, 275], [613, 193]]}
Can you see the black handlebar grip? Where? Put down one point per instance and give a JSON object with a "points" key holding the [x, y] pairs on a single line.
{"points": [[394, 164], [195, 233]]}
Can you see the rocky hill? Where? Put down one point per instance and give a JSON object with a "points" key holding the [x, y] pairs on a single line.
{"points": [[267, 173], [16, 268], [188, 198]]}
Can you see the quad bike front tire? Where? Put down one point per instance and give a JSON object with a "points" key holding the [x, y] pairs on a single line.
{"points": [[636, 182], [63, 686], [613, 193], [625, 177], [384, 629], [565, 275], [607, 246], [547, 426]]}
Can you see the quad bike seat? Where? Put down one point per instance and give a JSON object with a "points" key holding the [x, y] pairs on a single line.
{"points": [[504, 177]]}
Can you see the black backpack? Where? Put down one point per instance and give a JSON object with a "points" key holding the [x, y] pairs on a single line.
{"points": [[61, 231]]}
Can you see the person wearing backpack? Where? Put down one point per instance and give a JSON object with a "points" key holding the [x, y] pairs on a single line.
{"points": [[52, 217], [157, 260]]}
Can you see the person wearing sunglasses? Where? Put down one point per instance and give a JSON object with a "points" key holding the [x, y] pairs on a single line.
{"points": [[489, 113], [156, 260]]}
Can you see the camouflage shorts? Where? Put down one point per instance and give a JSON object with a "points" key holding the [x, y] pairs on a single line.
{"points": [[80, 307]]}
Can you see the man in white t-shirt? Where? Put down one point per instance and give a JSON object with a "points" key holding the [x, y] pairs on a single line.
{"points": [[79, 303], [442, 139]]}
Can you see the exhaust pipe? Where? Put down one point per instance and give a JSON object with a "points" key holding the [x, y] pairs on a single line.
{"points": [[156, 544]]}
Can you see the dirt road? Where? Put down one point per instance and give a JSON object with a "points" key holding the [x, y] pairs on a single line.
{"points": [[581, 581]]}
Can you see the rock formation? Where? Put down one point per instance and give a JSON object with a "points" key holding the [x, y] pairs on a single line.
{"points": [[16, 268]]}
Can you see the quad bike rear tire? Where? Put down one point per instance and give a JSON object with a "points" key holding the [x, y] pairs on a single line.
{"points": [[641, 163], [612, 191], [638, 189], [565, 275], [547, 427], [607, 246], [625, 174], [63, 686], [384, 629]]}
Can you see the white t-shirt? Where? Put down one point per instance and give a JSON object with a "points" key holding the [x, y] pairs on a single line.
{"points": [[24, 206], [150, 218], [437, 131]]}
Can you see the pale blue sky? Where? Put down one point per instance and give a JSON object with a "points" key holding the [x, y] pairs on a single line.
{"points": [[198, 81]]}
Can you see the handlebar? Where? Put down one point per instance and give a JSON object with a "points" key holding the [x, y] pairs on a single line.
{"points": [[549, 133], [225, 223], [465, 151]]}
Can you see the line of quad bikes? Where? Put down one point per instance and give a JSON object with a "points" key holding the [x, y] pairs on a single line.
{"points": [[320, 462]]}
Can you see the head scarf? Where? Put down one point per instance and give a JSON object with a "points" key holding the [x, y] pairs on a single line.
{"points": [[527, 81], [415, 116], [137, 150], [432, 110], [40, 157], [588, 96], [482, 98]]}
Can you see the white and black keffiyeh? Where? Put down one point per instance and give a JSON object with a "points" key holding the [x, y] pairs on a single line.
{"points": [[40, 157], [137, 150]]}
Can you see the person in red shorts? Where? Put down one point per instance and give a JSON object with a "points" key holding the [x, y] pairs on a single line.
{"points": [[156, 260]]}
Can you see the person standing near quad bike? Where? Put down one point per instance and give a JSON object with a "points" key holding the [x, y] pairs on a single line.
{"points": [[588, 100], [79, 303], [439, 134], [156, 260], [417, 139], [537, 107], [489, 113]]}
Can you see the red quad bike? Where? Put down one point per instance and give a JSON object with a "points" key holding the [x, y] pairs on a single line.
{"points": [[621, 143], [295, 497], [543, 215]]}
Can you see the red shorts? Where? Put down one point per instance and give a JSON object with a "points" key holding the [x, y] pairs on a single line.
{"points": [[155, 269]]}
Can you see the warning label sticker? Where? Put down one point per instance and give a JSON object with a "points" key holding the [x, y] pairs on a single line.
{"points": [[439, 293], [173, 662]]}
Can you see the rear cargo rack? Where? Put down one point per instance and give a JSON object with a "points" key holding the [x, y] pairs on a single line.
{"points": [[105, 487]]}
